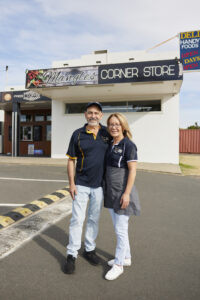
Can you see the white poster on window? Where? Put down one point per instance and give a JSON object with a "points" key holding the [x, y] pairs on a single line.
{"points": [[30, 149]]}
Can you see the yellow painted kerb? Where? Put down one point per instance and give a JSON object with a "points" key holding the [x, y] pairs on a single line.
{"points": [[40, 204], [52, 197], [65, 193], [5, 221], [23, 211]]}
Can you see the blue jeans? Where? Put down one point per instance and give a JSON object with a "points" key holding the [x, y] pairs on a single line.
{"points": [[79, 205], [120, 223]]}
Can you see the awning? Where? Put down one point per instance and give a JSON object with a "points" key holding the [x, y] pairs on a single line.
{"points": [[27, 99]]}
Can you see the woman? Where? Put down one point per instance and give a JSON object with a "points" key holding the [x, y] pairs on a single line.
{"points": [[120, 194]]}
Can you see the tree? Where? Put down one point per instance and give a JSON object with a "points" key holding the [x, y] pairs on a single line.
{"points": [[195, 126]]}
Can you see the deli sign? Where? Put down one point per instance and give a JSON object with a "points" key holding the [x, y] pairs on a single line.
{"points": [[190, 50]]}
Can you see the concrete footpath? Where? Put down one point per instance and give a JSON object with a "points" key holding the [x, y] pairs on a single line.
{"points": [[166, 168]]}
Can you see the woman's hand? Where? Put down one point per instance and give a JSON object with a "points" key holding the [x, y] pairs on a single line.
{"points": [[125, 199]]}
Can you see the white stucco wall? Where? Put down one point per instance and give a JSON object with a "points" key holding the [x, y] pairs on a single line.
{"points": [[156, 134], [115, 57]]}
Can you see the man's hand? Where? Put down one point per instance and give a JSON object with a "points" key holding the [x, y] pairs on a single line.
{"points": [[73, 191], [125, 199], [70, 172]]}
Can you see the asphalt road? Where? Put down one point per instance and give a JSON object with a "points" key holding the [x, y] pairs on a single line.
{"points": [[22, 184], [165, 242]]}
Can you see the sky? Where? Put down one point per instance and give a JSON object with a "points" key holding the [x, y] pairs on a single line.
{"points": [[35, 33]]}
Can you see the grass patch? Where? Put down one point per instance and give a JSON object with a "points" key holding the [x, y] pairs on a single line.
{"points": [[186, 166]]}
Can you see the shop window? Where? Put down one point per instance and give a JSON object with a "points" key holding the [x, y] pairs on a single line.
{"points": [[122, 106], [39, 118], [48, 132], [144, 106], [112, 107], [25, 118], [75, 108], [37, 133], [48, 117], [26, 133]]}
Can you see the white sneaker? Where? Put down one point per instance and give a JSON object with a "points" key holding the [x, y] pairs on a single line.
{"points": [[127, 262], [115, 272]]}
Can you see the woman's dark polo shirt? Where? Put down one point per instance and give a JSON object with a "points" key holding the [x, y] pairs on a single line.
{"points": [[117, 158], [89, 150], [119, 155]]}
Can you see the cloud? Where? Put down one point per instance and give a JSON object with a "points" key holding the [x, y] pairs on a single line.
{"points": [[191, 81], [189, 117], [73, 28], [35, 33], [143, 19], [15, 7]]}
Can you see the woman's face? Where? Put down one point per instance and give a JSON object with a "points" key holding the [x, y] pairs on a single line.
{"points": [[115, 128]]}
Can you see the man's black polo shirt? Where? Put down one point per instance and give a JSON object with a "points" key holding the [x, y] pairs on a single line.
{"points": [[89, 150]]}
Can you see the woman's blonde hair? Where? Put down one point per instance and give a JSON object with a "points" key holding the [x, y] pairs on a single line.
{"points": [[123, 122]]}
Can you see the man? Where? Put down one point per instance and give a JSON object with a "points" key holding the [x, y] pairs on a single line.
{"points": [[88, 146]]}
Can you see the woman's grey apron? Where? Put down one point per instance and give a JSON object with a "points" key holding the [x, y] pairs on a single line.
{"points": [[114, 187]]}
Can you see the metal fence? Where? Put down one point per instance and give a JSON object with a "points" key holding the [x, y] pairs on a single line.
{"points": [[189, 140]]}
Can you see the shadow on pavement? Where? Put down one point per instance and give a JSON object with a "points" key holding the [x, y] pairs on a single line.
{"points": [[60, 236]]}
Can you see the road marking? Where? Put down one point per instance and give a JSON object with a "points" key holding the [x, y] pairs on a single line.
{"points": [[28, 209], [18, 234], [32, 179], [11, 204]]}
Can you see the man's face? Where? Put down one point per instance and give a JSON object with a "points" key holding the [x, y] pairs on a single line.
{"points": [[93, 115]]}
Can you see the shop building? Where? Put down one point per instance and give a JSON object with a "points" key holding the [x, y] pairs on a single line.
{"points": [[144, 87], [27, 123]]}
